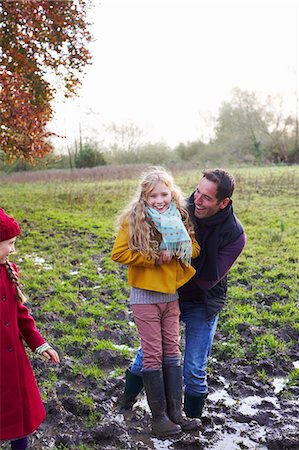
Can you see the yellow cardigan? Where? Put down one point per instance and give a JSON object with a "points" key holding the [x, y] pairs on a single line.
{"points": [[143, 273]]}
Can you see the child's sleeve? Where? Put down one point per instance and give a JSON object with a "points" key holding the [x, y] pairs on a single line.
{"points": [[28, 328], [195, 249], [121, 252]]}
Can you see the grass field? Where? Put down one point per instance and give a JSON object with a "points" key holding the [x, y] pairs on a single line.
{"points": [[79, 296]]}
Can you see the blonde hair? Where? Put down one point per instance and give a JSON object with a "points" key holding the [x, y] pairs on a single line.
{"points": [[143, 236], [13, 276]]}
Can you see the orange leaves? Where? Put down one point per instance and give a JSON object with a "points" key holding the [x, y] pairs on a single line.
{"points": [[23, 123], [37, 37]]}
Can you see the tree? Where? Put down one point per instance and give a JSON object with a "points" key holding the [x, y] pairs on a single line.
{"points": [[89, 155], [126, 136], [238, 126], [248, 130], [190, 151], [38, 39]]}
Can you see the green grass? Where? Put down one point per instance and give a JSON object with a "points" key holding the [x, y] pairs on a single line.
{"points": [[77, 292]]}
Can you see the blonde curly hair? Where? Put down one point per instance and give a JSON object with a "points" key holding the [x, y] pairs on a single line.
{"points": [[143, 236]]}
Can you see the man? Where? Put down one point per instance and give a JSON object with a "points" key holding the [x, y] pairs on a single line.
{"points": [[222, 239]]}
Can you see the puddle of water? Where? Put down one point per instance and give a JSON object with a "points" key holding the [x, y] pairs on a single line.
{"points": [[39, 261], [42, 262], [236, 442], [279, 383], [119, 418], [124, 347], [238, 439], [221, 394], [223, 380], [161, 445], [142, 403], [247, 404]]}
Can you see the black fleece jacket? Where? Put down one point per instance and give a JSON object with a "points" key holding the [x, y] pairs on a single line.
{"points": [[222, 239]]}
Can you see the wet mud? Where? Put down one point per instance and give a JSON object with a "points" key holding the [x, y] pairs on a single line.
{"points": [[240, 413]]}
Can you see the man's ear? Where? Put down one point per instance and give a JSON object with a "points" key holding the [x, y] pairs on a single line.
{"points": [[224, 203]]}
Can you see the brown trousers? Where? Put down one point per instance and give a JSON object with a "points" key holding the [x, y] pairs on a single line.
{"points": [[158, 328]]}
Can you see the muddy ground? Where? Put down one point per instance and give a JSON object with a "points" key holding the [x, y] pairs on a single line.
{"points": [[241, 412]]}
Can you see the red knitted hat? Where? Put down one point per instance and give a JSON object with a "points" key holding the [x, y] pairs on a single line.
{"points": [[8, 227]]}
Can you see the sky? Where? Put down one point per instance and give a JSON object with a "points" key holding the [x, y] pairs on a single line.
{"points": [[168, 65]]}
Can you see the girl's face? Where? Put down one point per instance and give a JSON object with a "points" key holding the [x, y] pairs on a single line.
{"points": [[159, 198], [6, 248]]}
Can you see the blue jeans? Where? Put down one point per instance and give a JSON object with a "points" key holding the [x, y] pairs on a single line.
{"points": [[199, 335]]}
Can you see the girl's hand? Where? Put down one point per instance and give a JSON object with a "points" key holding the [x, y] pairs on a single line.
{"points": [[165, 257], [52, 355]]}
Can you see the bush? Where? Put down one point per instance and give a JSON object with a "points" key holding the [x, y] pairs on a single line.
{"points": [[88, 156]]}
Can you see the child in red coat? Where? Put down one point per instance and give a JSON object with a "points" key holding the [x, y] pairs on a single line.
{"points": [[21, 407]]}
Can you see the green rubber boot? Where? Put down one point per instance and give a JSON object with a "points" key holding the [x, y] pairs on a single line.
{"points": [[193, 405], [133, 387]]}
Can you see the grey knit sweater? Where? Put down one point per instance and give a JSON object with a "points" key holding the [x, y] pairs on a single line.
{"points": [[143, 297]]}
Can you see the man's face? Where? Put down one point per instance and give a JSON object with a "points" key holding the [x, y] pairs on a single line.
{"points": [[205, 200]]}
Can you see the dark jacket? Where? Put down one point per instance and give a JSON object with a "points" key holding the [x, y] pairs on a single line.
{"points": [[222, 239]]}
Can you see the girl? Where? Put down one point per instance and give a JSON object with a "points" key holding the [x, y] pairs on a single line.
{"points": [[156, 240], [21, 407]]}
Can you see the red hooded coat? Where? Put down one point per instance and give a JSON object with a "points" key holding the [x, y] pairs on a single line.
{"points": [[21, 407]]}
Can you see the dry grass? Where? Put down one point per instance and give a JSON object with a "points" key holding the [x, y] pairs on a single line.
{"points": [[111, 172]]}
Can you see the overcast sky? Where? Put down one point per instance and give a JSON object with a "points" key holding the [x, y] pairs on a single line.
{"points": [[167, 65]]}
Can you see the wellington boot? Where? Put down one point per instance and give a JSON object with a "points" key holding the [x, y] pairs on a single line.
{"points": [[154, 387], [133, 386], [173, 388], [193, 404]]}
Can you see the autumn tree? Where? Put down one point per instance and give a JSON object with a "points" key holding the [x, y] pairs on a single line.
{"points": [[43, 45]]}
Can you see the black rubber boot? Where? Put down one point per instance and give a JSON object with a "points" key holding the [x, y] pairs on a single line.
{"points": [[193, 404], [19, 444], [133, 387], [154, 387], [174, 391]]}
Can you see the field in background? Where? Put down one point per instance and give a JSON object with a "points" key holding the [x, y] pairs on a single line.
{"points": [[79, 296]]}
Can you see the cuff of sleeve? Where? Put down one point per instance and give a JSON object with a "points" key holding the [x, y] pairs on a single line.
{"points": [[42, 348]]}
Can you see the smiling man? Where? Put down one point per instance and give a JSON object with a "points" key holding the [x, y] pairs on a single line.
{"points": [[222, 239]]}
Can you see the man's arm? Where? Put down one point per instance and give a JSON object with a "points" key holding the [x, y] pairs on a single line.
{"points": [[225, 260]]}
